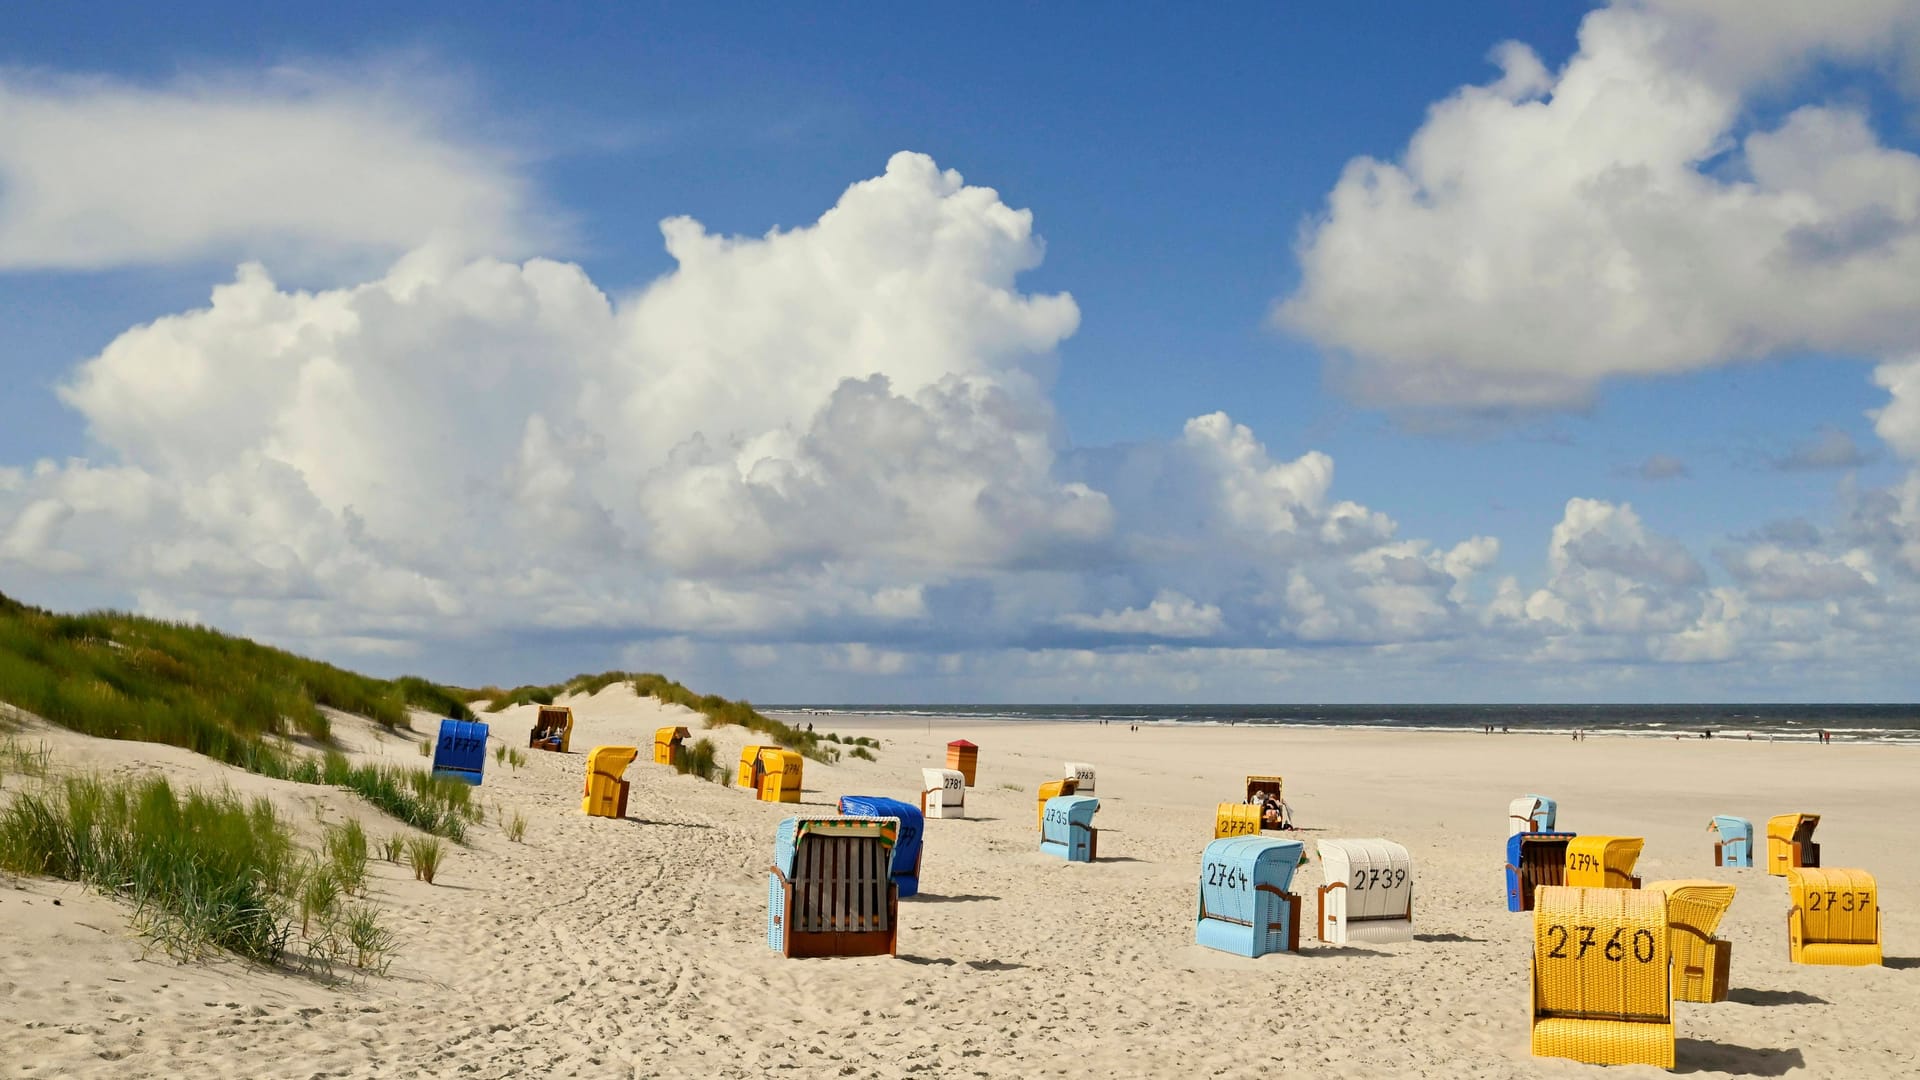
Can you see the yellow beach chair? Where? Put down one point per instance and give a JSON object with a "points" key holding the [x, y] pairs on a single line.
{"points": [[780, 775], [1236, 819], [1603, 862], [1601, 991], [606, 790], [668, 742], [1700, 960], [1790, 842], [1049, 790], [1835, 918], [750, 770]]}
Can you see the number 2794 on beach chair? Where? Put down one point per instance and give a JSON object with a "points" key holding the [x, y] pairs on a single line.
{"points": [[830, 891]]}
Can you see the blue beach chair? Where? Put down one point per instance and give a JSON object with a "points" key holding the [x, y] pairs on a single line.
{"points": [[906, 850], [1735, 846], [1534, 859], [1066, 828], [830, 891], [1245, 907], [461, 751]]}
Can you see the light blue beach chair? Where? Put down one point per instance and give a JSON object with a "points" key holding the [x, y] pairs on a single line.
{"points": [[1735, 846], [1245, 907], [1066, 828], [906, 850]]}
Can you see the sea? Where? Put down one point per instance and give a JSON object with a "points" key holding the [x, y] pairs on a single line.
{"points": [[1896, 724]]}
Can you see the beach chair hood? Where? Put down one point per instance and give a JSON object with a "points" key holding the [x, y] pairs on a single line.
{"points": [[907, 844]]}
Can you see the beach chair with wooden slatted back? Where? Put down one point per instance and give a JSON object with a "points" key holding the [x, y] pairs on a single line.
{"points": [[1368, 895], [1735, 844], [1603, 862], [1834, 918], [1066, 828], [908, 845], [1790, 842], [606, 794], [830, 891], [1534, 859], [1236, 819], [1052, 789], [1532, 813], [552, 729], [1700, 960], [1082, 775], [1244, 905], [1601, 984], [943, 793], [668, 744]]}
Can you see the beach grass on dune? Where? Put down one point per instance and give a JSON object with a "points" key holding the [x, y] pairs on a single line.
{"points": [[205, 871]]}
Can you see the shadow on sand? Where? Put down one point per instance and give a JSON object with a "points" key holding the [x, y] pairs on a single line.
{"points": [[1699, 1055]]}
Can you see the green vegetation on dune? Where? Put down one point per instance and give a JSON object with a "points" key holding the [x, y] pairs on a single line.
{"points": [[121, 676]]}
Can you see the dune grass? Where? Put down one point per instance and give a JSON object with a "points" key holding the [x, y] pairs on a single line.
{"points": [[204, 871], [517, 828], [698, 760], [425, 853]]}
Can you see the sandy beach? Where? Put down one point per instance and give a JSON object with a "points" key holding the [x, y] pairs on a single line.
{"points": [[637, 947]]}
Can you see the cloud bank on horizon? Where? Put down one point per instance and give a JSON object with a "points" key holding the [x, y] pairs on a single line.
{"points": [[833, 447]]}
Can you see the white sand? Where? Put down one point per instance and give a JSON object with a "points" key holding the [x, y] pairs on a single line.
{"points": [[637, 947]]}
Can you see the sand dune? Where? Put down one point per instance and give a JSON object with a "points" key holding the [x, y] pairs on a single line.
{"points": [[636, 947]]}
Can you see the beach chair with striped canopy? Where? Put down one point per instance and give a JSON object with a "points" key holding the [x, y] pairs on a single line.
{"points": [[1245, 907], [1532, 813], [606, 794], [830, 891], [1066, 828], [1368, 895], [1835, 917], [1790, 842], [1601, 989], [1700, 960], [1534, 859], [1603, 862], [1735, 846], [943, 793], [910, 844]]}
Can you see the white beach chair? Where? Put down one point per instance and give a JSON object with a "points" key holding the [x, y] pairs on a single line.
{"points": [[1082, 772], [1368, 895], [943, 793]]}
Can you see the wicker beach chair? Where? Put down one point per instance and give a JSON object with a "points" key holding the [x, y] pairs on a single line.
{"points": [[1052, 789], [606, 794], [943, 793], [552, 729], [1835, 917], [1066, 828], [1601, 987], [1603, 862], [1082, 774], [1236, 819], [668, 744], [908, 845], [1790, 842], [1735, 846], [1531, 813], [1534, 859], [1700, 960], [830, 891], [460, 753], [1244, 905], [1368, 895]]}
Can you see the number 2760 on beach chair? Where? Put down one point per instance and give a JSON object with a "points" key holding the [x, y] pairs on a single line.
{"points": [[1601, 980]]}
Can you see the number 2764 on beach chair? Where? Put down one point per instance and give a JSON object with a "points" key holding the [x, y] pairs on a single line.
{"points": [[830, 891]]}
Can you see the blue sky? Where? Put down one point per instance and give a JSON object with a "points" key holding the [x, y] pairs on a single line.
{"points": [[1655, 257]]}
